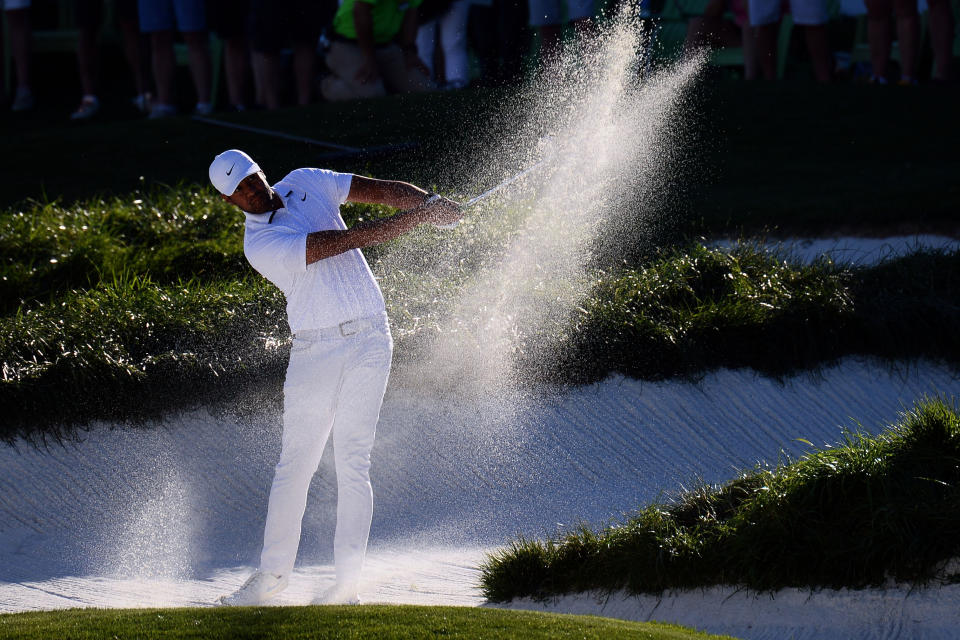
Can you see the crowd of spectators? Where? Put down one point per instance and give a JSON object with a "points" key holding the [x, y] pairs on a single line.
{"points": [[299, 51]]}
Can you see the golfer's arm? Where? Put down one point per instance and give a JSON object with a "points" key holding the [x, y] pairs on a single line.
{"points": [[392, 193], [324, 244]]}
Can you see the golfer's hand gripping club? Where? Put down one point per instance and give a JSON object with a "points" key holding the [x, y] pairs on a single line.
{"points": [[448, 214]]}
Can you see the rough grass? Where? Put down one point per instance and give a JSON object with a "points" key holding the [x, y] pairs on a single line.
{"points": [[850, 515], [401, 623]]}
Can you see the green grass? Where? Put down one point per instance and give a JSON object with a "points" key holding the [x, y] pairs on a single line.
{"points": [[844, 516], [398, 622]]}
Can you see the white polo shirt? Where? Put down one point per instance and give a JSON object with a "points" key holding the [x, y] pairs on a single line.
{"points": [[329, 291]]}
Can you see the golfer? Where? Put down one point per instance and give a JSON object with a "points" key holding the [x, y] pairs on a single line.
{"points": [[340, 358]]}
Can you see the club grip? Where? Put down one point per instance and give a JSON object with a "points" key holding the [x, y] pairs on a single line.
{"points": [[433, 197]]}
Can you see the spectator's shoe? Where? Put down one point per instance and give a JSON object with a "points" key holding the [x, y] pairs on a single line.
{"points": [[877, 80], [88, 108], [203, 109], [161, 110], [339, 594], [23, 100], [258, 588], [142, 102]]}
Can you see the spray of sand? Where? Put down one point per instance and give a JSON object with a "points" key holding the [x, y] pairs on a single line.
{"points": [[602, 138]]}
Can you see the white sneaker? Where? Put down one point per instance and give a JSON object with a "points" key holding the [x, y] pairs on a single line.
{"points": [[258, 588], [339, 595]]}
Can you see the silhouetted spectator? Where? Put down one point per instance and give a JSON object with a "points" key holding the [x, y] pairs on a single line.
{"points": [[89, 17], [373, 51], [229, 19], [880, 36], [500, 36], [713, 29], [940, 21], [159, 18], [449, 26], [810, 16], [274, 24], [21, 45]]}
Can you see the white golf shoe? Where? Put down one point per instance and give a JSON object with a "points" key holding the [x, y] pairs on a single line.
{"points": [[258, 588], [339, 594]]}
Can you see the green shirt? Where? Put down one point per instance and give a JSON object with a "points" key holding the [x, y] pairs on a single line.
{"points": [[387, 18]]}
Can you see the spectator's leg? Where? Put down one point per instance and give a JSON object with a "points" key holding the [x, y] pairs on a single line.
{"points": [[751, 69], [453, 38], [237, 64], [21, 46], [266, 66], [304, 61], [908, 35], [427, 45], [133, 50], [818, 46], [164, 65], [88, 23], [767, 50], [198, 53], [878, 36], [941, 37]]}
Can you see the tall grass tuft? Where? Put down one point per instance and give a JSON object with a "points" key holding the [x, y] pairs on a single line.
{"points": [[856, 514]]}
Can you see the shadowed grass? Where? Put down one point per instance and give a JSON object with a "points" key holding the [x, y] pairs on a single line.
{"points": [[850, 515], [401, 622]]}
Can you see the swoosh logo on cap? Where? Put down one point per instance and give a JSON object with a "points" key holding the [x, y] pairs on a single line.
{"points": [[231, 168]]}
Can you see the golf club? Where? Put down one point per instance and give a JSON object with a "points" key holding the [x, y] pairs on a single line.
{"points": [[489, 192]]}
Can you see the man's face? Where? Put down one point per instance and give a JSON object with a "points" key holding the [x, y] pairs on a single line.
{"points": [[253, 194]]}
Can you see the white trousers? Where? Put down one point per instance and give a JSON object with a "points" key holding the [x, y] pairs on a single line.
{"points": [[452, 27], [335, 383]]}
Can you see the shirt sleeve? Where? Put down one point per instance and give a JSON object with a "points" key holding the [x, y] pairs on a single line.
{"points": [[334, 186], [276, 252]]}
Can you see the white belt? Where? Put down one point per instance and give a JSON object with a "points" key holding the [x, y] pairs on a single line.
{"points": [[342, 330]]}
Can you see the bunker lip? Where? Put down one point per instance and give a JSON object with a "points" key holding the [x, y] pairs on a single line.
{"points": [[170, 515]]}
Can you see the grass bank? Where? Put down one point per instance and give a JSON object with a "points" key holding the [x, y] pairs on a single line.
{"points": [[132, 348], [404, 622], [844, 516]]}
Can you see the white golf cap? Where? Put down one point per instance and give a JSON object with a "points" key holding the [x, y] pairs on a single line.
{"points": [[229, 168]]}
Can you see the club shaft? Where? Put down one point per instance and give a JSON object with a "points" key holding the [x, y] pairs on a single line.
{"points": [[505, 183]]}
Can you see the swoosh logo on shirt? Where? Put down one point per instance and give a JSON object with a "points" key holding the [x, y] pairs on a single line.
{"points": [[303, 198], [231, 168]]}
